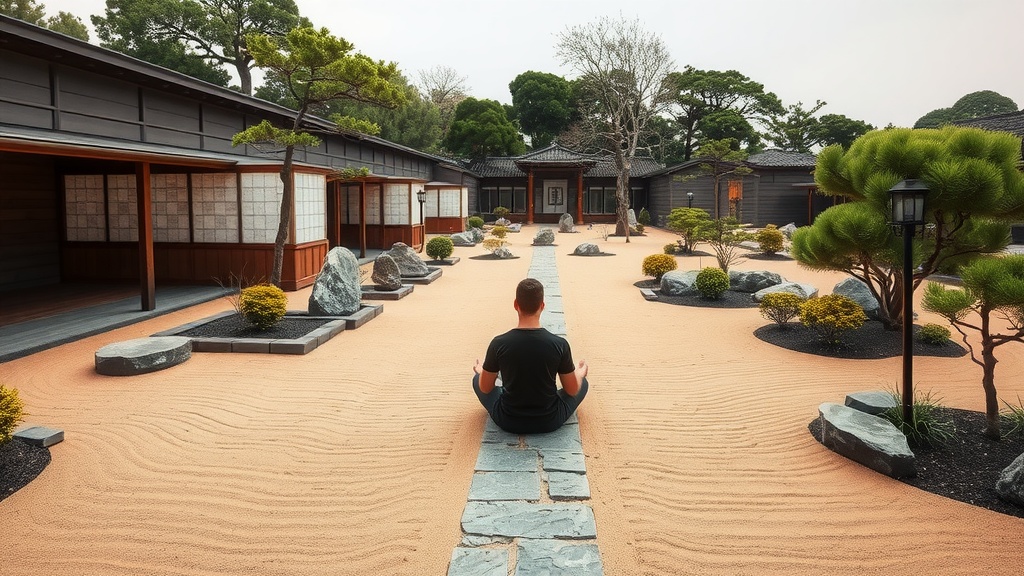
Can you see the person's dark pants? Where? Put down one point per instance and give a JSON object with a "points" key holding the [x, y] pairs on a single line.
{"points": [[565, 406]]}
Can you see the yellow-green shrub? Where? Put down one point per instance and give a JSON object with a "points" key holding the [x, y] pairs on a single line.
{"points": [[935, 334], [712, 282], [263, 305], [501, 212], [669, 248], [475, 222], [780, 307], [440, 247], [832, 315], [770, 239], [11, 412], [492, 244], [657, 264], [499, 231]]}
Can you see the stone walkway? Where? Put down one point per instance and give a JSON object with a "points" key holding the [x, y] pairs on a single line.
{"points": [[526, 513]]}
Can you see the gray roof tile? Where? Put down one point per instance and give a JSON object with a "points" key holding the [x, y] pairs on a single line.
{"points": [[782, 159]]}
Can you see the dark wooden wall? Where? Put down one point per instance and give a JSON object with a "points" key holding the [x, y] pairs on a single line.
{"points": [[29, 222]]}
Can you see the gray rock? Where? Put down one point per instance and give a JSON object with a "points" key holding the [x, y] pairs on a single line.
{"points": [[788, 229], [502, 222], [679, 283], [386, 275], [142, 355], [870, 440], [504, 253], [753, 280], [544, 237], [587, 249], [804, 291], [478, 234], [537, 557], [505, 486], [1010, 486], [478, 562], [515, 227], [409, 263], [40, 436], [872, 402], [529, 520], [631, 219], [466, 238], [337, 289], [565, 223], [860, 293]]}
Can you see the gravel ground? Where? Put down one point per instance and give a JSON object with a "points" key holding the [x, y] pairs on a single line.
{"points": [[729, 299], [871, 340], [235, 327], [20, 463]]}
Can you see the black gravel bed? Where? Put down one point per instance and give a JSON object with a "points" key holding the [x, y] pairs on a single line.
{"points": [[289, 328], [777, 257], [871, 340], [729, 299], [967, 468], [598, 254], [20, 463], [493, 257]]}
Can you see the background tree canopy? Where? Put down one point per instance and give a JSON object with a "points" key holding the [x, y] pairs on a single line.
{"points": [[35, 13], [543, 105], [973, 105], [480, 128]]}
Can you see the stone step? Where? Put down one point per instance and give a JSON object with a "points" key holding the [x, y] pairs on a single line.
{"points": [[557, 558], [142, 355], [529, 520], [478, 562]]}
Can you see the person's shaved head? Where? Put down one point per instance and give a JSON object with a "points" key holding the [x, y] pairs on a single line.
{"points": [[530, 295]]}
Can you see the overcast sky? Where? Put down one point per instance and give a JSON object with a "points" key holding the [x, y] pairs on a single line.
{"points": [[881, 61]]}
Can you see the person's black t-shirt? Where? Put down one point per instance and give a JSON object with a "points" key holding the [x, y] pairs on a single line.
{"points": [[528, 360]]}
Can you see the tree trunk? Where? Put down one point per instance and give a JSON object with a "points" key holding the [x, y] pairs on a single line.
{"points": [[988, 378], [622, 196], [244, 77], [284, 224]]}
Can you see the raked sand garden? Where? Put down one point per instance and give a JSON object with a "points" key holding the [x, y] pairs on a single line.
{"points": [[357, 458]]}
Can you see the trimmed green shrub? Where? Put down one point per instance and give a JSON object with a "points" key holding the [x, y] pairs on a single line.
{"points": [[657, 264], [475, 222], [925, 428], [670, 248], [501, 212], [499, 231], [263, 305], [644, 217], [780, 307], [831, 316], [934, 334], [712, 282], [440, 247], [12, 410], [770, 239]]}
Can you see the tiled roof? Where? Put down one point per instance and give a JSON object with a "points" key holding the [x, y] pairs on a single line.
{"points": [[782, 159], [556, 154], [602, 166], [1012, 122]]}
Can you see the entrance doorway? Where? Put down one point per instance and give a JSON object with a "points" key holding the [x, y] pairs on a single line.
{"points": [[555, 197]]}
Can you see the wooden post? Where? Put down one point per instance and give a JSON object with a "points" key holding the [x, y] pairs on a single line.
{"points": [[362, 219], [144, 203], [579, 197], [529, 196]]}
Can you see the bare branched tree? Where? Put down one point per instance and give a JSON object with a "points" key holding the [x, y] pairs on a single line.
{"points": [[622, 69], [445, 88]]}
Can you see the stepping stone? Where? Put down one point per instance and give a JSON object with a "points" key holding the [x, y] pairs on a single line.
{"points": [[555, 558], [495, 435], [870, 440], [649, 294], [529, 520], [871, 401], [40, 436], [568, 486], [473, 541], [498, 458], [478, 562], [562, 461], [142, 355], [505, 485], [566, 438]]}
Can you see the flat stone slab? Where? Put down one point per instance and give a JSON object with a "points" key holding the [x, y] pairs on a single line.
{"points": [[556, 558], [499, 458], [370, 292], [142, 355], [495, 435], [568, 486], [872, 402], [564, 461], [505, 485], [365, 313], [870, 440], [449, 261], [478, 562], [648, 294], [566, 438], [40, 436], [434, 274], [529, 520]]}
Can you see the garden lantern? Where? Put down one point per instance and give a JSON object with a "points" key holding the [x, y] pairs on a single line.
{"points": [[908, 213], [689, 199], [422, 197]]}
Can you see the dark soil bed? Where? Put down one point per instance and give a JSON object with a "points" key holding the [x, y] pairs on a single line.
{"points": [[967, 468], [493, 257], [777, 257], [869, 341], [729, 299], [290, 327], [20, 463]]}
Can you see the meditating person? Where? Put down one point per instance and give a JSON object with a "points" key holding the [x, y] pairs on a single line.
{"points": [[528, 357]]}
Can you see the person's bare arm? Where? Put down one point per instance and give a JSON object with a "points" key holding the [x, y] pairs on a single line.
{"points": [[487, 379], [570, 381]]}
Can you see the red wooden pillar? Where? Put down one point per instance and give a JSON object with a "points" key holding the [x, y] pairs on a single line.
{"points": [[362, 219], [529, 196], [579, 197], [144, 203]]}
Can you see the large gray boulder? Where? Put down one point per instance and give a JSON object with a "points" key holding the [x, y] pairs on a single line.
{"points": [[386, 275], [336, 291], [679, 283], [142, 355], [464, 239], [587, 249], [502, 222], [544, 237], [872, 402], [477, 233], [631, 219], [565, 223], [788, 229], [515, 227], [860, 293], [409, 263], [804, 291], [753, 280], [870, 440], [1010, 486]]}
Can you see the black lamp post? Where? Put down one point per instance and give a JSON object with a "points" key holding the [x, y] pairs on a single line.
{"points": [[422, 197], [689, 199], [907, 214]]}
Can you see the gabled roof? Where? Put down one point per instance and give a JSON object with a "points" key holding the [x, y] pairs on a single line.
{"points": [[558, 156], [782, 159], [1012, 122]]}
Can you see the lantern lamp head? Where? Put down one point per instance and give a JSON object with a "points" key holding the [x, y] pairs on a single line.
{"points": [[908, 202]]}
